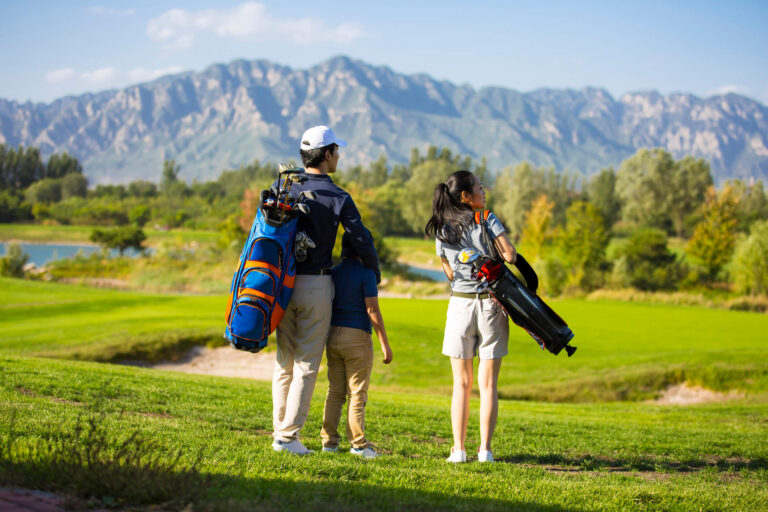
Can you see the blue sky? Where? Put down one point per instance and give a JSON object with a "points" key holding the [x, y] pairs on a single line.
{"points": [[55, 48]]}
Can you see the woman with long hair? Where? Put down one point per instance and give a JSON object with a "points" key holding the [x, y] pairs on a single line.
{"points": [[476, 325]]}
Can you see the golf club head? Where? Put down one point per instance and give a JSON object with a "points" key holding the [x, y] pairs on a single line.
{"points": [[307, 194], [301, 208], [289, 168], [469, 256]]}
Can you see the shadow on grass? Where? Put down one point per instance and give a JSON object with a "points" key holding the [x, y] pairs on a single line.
{"points": [[233, 493], [592, 463], [93, 467]]}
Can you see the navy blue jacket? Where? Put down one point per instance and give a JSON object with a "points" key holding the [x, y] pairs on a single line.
{"points": [[333, 205]]}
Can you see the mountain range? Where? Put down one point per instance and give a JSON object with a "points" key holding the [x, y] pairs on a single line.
{"points": [[230, 114]]}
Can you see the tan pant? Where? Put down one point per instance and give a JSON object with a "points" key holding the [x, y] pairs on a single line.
{"points": [[350, 360], [301, 338]]}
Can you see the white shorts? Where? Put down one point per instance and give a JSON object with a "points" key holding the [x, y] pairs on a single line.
{"points": [[475, 327]]}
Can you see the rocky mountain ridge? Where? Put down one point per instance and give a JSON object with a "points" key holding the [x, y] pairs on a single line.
{"points": [[231, 114]]}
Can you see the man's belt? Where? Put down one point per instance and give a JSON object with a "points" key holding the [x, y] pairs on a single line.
{"points": [[321, 272], [471, 295]]}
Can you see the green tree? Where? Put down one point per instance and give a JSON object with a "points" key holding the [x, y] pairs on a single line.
{"points": [[642, 184], [583, 243], [419, 190], [170, 184], [73, 185], [538, 232], [752, 203], [12, 264], [516, 189], [60, 165], [139, 215], [714, 238], [750, 261], [689, 182], [646, 262], [601, 192], [45, 191], [142, 189], [121, 238], [515, 193]]}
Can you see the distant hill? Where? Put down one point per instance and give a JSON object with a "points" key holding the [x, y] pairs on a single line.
{"points": [[231, 114]]}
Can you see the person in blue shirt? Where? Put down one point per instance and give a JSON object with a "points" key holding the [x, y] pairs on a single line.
{"points": [[303, 330], [350, 350]]}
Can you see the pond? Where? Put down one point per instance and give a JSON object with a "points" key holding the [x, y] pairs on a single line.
{"points": [[40, 254], [434, 275]]}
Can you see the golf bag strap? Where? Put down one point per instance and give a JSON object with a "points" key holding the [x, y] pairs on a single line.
{"points": [[525, 268], [482, 219]]}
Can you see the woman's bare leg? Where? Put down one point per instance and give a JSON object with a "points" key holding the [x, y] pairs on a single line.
{"points": [[487, 381], [462, 387]]}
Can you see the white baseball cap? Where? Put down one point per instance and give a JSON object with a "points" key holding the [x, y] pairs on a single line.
{"points": [[319, 137]]}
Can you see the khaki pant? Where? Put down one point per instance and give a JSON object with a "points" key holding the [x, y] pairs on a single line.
{"points": [[350, 360], [301, 338]]}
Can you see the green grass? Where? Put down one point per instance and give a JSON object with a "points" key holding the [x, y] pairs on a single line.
{"points": [[84, 323], [627, 351], [80, 234], [614, 455], [553, 456]]}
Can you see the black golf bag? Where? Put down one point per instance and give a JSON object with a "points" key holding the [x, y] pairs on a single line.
{"points": [[519, 300]]}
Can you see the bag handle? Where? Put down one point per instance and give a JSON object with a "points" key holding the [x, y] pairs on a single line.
{"points": [[525, 268]]}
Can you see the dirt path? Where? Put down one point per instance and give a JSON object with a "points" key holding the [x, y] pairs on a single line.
{"points": [[225, 362]]}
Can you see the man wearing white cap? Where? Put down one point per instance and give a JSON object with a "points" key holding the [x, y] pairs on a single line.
{"points": [[303, 331]]}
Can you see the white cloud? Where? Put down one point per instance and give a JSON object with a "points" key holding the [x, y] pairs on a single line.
{"points": [[108, 76], [98, 9], [60, 75], [248, 22], [100, 76], [727, 89]]}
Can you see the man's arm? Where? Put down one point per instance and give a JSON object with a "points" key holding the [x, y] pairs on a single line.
{"points": [[374, 313], [359, 236]]}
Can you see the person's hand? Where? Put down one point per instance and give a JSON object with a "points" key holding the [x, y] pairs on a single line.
{"points": [[387, 353]]}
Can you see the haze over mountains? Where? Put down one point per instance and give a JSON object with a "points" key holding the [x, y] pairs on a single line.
{"points": [[231, 114]]}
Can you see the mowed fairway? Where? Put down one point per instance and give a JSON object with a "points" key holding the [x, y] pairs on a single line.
{"points": [[554, 456]]}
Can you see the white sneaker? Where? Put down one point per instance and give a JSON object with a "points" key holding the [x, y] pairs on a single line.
{"points": [[295, 447], [330, 449], [457, 456], [484, 456], [367, 452]]}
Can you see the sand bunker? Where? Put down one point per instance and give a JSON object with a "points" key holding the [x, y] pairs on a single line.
{"points": [[224, 362], [685, 394]]}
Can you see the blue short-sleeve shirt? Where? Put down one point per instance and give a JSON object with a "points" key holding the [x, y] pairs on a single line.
{"points": [[473, 239], [353, 283]]}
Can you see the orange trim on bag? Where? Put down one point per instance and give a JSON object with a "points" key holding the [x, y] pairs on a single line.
{"points": [[229, 304], [262, 264], [257, 293], [485, 215], [289, 280], [277, 315]]}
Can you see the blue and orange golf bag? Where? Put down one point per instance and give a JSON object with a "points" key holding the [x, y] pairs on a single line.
{"points": [[263, 282]]}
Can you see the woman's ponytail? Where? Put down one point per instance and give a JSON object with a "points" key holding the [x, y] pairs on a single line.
{"points": [[450, 217]]}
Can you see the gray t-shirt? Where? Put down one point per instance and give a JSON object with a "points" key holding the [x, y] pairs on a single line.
{"points": [[473, 239]]}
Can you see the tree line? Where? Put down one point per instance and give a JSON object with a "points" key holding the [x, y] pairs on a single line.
{"points": [[653, 223]]}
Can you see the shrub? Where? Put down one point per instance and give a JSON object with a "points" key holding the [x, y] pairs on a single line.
{"points": [[646, 262], [119, 238], [750, 261], [12, 264]]}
